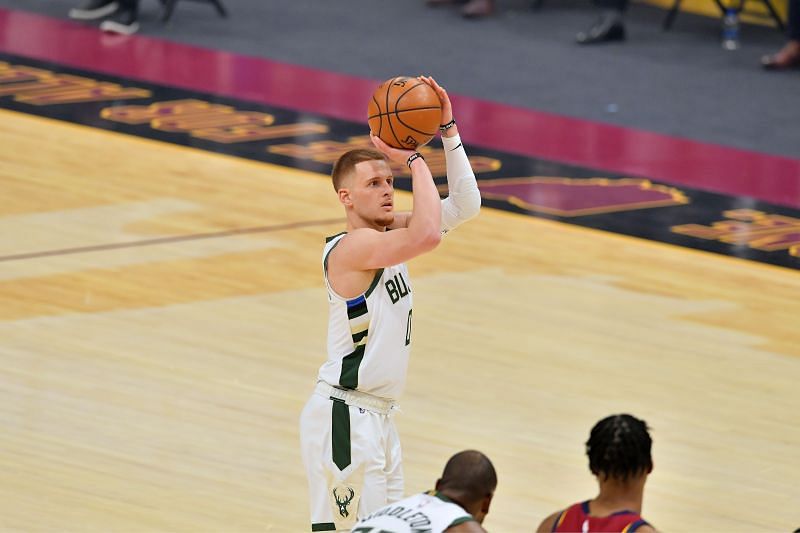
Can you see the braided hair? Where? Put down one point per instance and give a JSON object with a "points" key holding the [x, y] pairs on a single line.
{"points": [[619, 447]]}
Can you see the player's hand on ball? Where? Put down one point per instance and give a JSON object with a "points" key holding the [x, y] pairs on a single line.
{"points": [[395, 155], [447, 108]]}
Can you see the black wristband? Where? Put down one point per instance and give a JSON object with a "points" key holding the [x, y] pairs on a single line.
{"points": [[412, 157], [445, 127]]}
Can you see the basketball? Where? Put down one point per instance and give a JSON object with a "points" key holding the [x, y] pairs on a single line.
{"points": [[404, 112]]}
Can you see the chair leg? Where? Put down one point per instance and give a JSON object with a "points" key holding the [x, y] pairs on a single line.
{"points": [[723, 8], [671, 14], [169, 7], [775, 15], [220, 8]]}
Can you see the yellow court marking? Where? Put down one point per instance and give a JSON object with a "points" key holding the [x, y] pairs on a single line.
{"points": [[754, 13]]}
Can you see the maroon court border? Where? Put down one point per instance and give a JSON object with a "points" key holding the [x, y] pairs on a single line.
{"points": [[487, 124]]}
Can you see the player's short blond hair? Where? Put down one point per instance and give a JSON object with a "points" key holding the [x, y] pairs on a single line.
{"points": [[347, 162]]}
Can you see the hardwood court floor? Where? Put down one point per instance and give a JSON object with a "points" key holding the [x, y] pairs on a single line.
{"points": [[156, 385]]}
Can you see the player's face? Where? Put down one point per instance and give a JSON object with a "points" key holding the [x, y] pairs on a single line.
{"points": [[372, 192]]}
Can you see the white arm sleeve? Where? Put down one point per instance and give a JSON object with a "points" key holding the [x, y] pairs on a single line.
{"points": [[464, 199]]}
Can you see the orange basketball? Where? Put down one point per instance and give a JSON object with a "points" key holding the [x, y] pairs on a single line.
{"points": [[404, 112]]}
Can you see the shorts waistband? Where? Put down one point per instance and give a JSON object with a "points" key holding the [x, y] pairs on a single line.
{"points": [[359, 399]]}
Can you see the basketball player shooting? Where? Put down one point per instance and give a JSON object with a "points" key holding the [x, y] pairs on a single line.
{"points": [[350, 447]]}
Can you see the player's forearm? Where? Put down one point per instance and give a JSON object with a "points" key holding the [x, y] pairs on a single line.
{"points": [[464, 199], [426, 216], [460, 176]]}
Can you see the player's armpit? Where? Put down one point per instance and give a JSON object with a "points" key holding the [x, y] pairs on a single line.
{"points": [[368, 249]]}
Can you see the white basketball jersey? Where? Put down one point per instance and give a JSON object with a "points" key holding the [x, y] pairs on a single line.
{"points": [[369, 336], [429, 511]]}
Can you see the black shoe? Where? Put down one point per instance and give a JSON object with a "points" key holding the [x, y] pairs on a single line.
{"points": [[777, 62], [123, 22], [602, 32], [787, 57], [94, 9]]}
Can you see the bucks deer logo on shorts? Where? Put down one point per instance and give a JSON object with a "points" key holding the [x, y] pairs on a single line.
{"points": [[344, 502]]}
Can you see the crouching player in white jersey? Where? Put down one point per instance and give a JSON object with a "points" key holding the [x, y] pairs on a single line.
{"points": [[350, 447], [458, 505]]}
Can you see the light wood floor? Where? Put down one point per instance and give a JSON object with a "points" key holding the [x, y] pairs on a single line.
{"points": [[158, 386]]}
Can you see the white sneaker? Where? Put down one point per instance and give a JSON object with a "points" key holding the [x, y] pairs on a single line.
{"points": [[94, 9], [123, 22]]}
